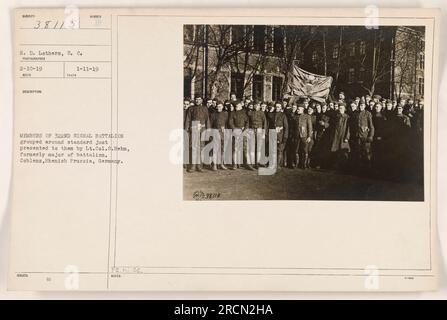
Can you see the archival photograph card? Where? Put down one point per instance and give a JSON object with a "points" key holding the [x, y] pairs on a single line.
{"points": [[224, 150]]}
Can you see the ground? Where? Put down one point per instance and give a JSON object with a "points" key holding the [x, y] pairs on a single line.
{"points": [[294, 184]]}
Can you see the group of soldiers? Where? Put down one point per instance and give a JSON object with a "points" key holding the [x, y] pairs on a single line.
{"points": [[365, 134]]}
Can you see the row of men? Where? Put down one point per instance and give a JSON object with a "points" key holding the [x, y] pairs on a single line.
{"points": [[369, 131]]}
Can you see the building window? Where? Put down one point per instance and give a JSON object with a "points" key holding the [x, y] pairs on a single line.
{"points": [[351, 49], [276, 88], [278, 41], [314, 56], [258, 87], [259, 38], [214, 34], [362, 75], [421, 86], [237, 34], [351, 75], [335, 51], [362, 48], [237, 84], [188, 33], [421, 60], [187, 83], [199, 34]]}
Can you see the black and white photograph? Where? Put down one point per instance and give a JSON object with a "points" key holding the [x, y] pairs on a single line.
{"points": [[303, 112]]}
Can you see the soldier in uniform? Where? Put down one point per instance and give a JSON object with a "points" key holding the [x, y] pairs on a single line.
{"points": [[285, 106], [300, 135], [371, 105], [197, 120], [186, 145], [247, 102], [270, 116], [313, 118], [388, 112], [341, 97], [401, 141], [186, 104], [339, 135], [290, 146], [238, 121], [219, 120], [258, 122], [321, 138], [210, 105], [280, 124], [264, 107], [352, 108], [362, 133], [394, 104], [409, 110], [380, 144]]}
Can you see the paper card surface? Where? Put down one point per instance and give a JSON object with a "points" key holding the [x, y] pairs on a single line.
{"points": [[337, 194]]}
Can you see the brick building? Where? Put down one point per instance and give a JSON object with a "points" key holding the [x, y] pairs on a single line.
{"points": [[255, 60]]}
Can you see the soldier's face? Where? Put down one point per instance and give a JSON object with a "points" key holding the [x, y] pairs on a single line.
{"points": [[284, 104], [353, 107], [220, 107], [300, 110], [341, 109], [239, 106], [341, 96], [263, 107], [318, 108], [257, 107], [389, 106], [400, 109], [362, 106], [233, 97], [310, 110], [306, 104], [294, 108], [209, 103], [278, 108], [186, 104], [324, 108], [410, 102], [199, 101], [378, 107]]}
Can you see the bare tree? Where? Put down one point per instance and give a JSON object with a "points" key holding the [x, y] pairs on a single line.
{"points": [[231, 48]]}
